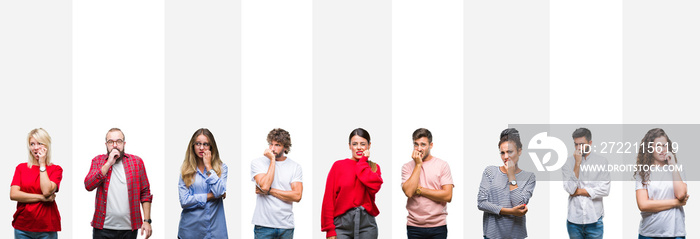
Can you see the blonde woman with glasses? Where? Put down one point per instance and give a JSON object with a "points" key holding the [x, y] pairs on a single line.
{"points": [[202, 188]]}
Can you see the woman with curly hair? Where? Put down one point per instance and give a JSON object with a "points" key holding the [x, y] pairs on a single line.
{"points": [[661, 194]]}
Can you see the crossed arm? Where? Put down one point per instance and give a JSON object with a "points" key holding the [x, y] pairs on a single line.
{"points": [[293, 195], [48, 189], [439, 195]]}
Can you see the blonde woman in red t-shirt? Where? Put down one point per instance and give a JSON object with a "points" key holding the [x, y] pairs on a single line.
{"points": [[34, 187]]}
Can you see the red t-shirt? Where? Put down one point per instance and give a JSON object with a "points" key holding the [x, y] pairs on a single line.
{"points": [[38, 216]]}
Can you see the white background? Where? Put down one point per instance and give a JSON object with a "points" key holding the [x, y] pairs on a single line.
{"points": [[606, 54]]}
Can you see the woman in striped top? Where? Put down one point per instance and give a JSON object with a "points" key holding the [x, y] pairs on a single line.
{"points": [[505, 191]]}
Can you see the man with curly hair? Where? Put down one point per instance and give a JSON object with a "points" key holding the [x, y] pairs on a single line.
{"points": [[278, 182]]}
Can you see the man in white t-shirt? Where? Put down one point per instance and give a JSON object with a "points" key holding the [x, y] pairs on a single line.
{"points": [[278, 182]]}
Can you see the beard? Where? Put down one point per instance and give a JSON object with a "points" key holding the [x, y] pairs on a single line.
{"points": [[121, 154], [280, 155]]}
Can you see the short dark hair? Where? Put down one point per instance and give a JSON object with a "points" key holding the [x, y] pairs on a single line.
{"points": [[582, 132], [282, 137], [512, 135], [423, 132]]}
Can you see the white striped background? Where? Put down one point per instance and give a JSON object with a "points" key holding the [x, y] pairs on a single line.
{"points": [[463, 69]]}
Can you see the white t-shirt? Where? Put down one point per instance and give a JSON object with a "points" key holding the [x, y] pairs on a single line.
{"points": [[269, 210], [117, 216], [667, 223]]}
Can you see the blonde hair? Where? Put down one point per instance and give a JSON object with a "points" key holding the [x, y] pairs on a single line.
{"points": [[41, 136], [189, 165]]}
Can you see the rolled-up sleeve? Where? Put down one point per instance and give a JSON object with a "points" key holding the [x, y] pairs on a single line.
{"points": [[145, 190], [218, 184]]}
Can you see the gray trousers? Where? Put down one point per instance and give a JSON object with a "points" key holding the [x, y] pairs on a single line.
{"points": [[356, 224]]}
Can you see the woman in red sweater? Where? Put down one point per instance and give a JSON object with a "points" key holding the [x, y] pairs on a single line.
{"points": [[348, 209], [34, 187]]}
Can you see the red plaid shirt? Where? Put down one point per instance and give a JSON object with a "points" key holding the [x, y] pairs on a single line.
{"points": [[137, 184]]}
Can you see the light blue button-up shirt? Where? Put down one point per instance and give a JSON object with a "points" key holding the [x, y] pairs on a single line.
{"points": [[201, 218]]}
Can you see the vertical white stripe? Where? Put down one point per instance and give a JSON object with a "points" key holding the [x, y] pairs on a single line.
{"points": [[277, 90], [117, 82], [586, 61], [586, 85], [427, 92]]}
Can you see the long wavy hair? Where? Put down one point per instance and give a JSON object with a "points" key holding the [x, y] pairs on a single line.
{"points": [[364, 134], [189, 165], [644, 157], [41, 136]]}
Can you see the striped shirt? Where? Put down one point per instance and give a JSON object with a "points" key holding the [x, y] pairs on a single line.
{"points": [[494, 194]]}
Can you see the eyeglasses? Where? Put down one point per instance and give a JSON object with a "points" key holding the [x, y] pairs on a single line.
{"points": [[118, 141], [198, 144]]}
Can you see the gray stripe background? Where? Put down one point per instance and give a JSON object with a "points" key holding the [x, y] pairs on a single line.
{"points": [[352, 88], [660, 73], [36, 92], [202, 90], [506, 81]]}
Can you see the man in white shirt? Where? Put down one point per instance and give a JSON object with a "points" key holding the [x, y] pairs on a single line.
{"points": [[586, 188], [278, 182]]}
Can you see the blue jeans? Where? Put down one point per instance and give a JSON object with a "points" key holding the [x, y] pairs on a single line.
{"points": [[585, 231], [19, 234], [426, 232], [272, 233], [643, 237]]}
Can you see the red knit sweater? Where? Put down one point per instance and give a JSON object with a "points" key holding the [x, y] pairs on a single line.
{"points": [[350, 184]]}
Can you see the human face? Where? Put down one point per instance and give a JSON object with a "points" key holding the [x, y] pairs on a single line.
{"points": [[580, 142], [509, 152], [277, 149], [115, 140], [358, 145], [201, 145], [660, 149], [35, 147], [423, 146]]}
